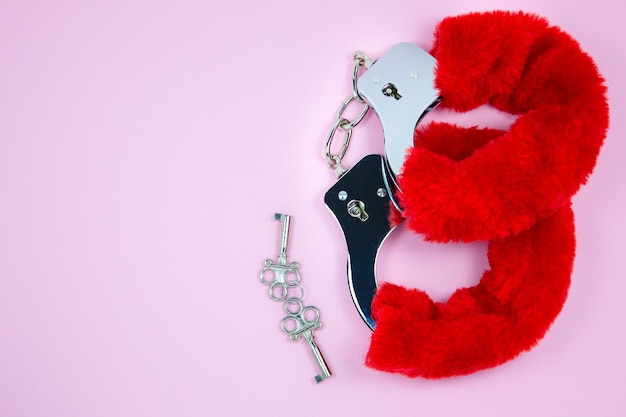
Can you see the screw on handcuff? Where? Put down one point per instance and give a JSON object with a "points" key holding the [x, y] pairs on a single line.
{"points": [[283, 280]]}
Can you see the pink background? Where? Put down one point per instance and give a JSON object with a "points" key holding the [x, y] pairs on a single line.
{"points": [[144, 147]]}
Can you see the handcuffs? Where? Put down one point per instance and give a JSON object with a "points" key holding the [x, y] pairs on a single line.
{"points": [[400, 88], [512, 188]]}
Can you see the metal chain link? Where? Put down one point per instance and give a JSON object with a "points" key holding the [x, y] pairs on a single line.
{"points": [[361, 60]]}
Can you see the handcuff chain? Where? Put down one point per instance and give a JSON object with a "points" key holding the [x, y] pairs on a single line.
{"points": [[361, 60]]}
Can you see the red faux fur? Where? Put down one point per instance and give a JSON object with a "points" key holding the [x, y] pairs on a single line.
{"points": [[518, 64], [513, 188], [482, 326]]}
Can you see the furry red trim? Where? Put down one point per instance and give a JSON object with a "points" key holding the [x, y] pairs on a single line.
{"points": [[482, 326], [517, 63], [511, 187]]}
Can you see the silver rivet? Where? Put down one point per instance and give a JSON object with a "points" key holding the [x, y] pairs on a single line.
{"points": [[375, 79], [381, 192], [343, 195], [414, 74]]}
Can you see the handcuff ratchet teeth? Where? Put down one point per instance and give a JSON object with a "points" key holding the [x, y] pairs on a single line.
{"points": [[400, 88]]}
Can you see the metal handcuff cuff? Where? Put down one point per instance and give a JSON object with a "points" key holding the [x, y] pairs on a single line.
{"points": [[400, 88]]}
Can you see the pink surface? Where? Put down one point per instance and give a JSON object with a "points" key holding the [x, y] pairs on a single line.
{"points": [[144, 147]]}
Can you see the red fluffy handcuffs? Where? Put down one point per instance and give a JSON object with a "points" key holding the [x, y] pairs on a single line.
{"points": [[512, 188]]}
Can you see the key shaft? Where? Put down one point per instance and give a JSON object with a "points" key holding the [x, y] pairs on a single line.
{"points": [[284, 238], [317, 355]]}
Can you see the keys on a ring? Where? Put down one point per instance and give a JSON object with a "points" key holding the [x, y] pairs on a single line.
{"points": [[283, 280]]}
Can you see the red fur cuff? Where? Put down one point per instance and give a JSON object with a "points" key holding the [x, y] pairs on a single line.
{"points": [[482, 326], [513, 188], [482, 190]]}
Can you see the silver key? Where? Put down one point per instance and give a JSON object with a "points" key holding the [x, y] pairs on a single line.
{"points": [[281, 276], [284, 237], [303, 322], [325, 372]]}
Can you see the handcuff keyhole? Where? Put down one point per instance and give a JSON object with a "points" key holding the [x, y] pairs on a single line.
{"points": [[356, 208], [390, 90]]}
